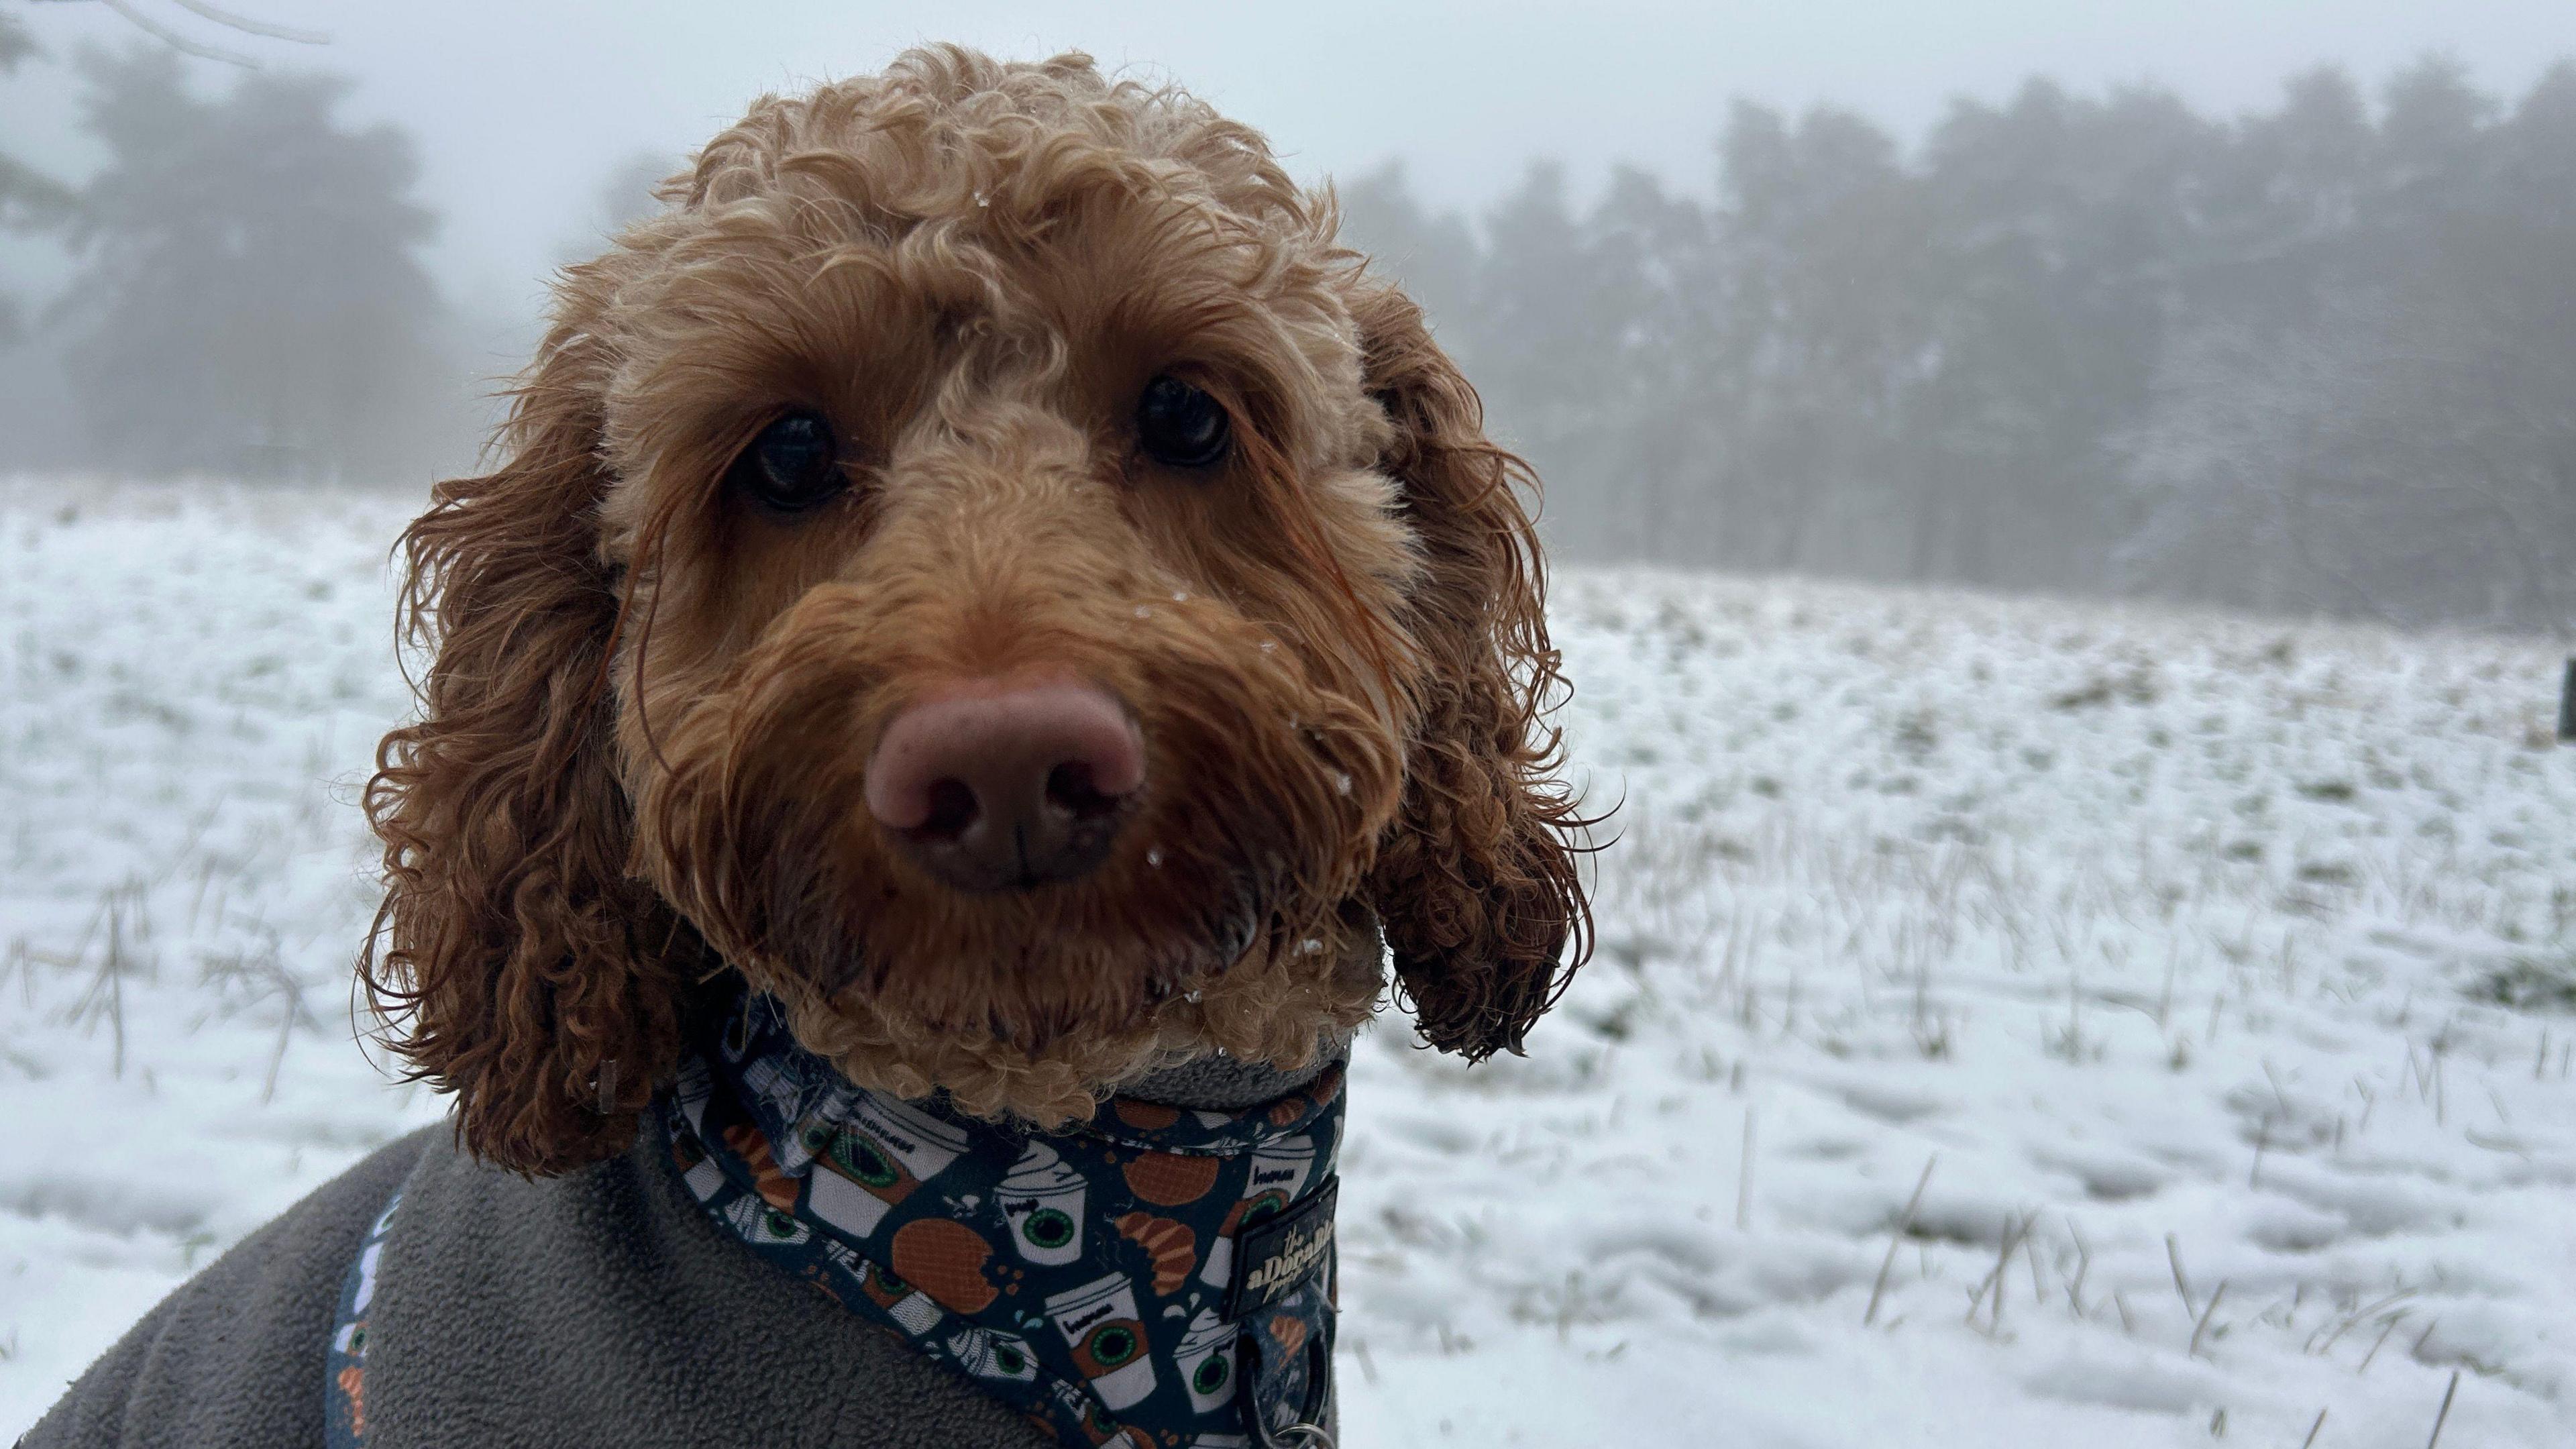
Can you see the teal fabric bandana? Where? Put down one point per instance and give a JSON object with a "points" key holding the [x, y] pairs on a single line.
{"points": [[1155, 1278]]}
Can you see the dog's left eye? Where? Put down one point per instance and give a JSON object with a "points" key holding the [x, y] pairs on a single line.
{"points": [[1180, 426], [792, 466]]}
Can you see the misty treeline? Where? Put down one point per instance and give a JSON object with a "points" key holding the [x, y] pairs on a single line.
{"points": [[2321, 358], [248, 295]]}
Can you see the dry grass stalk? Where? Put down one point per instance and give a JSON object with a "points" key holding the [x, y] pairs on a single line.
{"points": [[2444, 1417], [2182, 1285], [1904, 1225], [2202, 1326]]}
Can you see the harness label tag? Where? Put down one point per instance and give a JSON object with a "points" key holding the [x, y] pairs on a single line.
{"points": [[1272, 1258]]}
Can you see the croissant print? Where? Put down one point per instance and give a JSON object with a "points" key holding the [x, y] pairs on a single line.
{"points": [[775, 1186], [1173, 1247]]}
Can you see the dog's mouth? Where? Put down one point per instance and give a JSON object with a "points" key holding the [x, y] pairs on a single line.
{"points": [[1179, 945], [1036, 861], [1226, 930], [1021, 867], [957, 917], [1216, 912]]}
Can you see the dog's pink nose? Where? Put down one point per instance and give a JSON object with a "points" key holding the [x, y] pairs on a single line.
{"points": [[995, 786]]}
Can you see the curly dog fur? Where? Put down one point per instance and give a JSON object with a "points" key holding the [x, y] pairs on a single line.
{"points": [[644, 724]]}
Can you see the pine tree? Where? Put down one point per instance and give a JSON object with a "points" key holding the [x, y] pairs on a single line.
{"points": [[252, 298]]}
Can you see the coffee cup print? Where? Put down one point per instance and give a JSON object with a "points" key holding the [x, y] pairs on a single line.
{"points": [[909, 1307], [1280, 1168], [694, 1086], [989, 1353], [1042, 1200], [875, 1160], [922, 1144], [1278, 1174], [1100, 1323], [1206, 1360], [763, 1225], [776, 1087], [697, 1169], [1085, 1411]]}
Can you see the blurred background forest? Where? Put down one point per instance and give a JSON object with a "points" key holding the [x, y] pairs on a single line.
{"points": [[2317, 358]]}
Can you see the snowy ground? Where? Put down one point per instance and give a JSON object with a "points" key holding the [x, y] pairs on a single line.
{"points": [[2217, 972]]}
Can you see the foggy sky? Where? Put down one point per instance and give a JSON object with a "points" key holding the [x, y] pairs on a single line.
{"points": [[521, 108]]}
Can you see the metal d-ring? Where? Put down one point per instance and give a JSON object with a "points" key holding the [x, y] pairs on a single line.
{"points": [[1308, 1431]]}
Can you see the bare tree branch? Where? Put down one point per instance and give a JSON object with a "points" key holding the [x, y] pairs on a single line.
{"points": [[249, 26], [175, 40], [230, 20]]}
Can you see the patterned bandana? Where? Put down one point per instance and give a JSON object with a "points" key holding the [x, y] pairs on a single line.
{"points": [[1157, 1277], [344, 1369]]}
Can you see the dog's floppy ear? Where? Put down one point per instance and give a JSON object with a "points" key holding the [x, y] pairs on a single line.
{"points": [[1476, 881], [514, 961]]}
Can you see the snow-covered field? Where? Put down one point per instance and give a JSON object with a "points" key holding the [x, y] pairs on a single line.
{"points": [[2015, 1023]]}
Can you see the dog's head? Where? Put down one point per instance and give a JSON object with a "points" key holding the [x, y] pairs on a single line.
{"points": [[984, 564]]}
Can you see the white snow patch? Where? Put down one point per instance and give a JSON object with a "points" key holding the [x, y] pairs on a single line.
{"points": [[2216, 965]]}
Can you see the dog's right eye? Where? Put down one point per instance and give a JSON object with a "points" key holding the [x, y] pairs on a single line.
{"points": [[1181, 426], [792, 466]]}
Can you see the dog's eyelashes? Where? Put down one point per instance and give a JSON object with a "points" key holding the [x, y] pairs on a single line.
{"points": [[793, 465], [1180, 426]]}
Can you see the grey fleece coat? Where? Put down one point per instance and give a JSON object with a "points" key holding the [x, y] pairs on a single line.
{"points": [[602, 1307]]}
